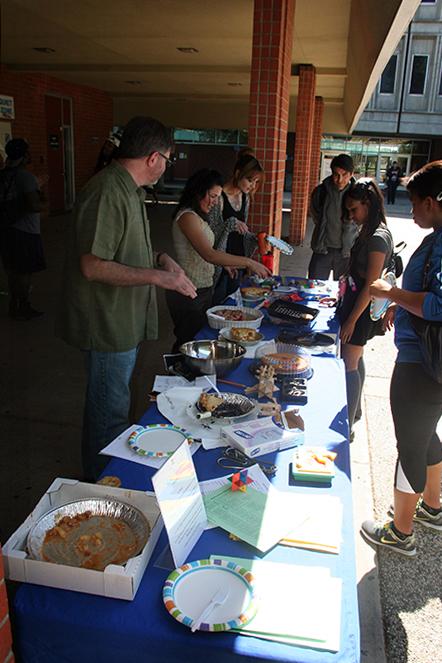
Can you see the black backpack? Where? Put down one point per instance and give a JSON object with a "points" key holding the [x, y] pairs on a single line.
{"points": [[12, 204], [398, 263]]}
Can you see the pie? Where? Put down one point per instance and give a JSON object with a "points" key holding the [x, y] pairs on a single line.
{"points": [[285, 362], [254, 293], [244, 334], [209, 402], [90, 541]]}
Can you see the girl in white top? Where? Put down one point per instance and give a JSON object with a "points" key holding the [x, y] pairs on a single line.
{"points": [[193, 241]]}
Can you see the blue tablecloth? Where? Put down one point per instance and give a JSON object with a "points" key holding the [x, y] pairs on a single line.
{"points": [[56, 626]]}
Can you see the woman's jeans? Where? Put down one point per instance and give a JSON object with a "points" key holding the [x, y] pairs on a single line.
{"points": [[106, 409]]}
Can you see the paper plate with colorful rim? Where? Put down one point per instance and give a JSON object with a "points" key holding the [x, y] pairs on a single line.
{"points": [[279, 244], [379, 306], [189, 589], [157, 440]]}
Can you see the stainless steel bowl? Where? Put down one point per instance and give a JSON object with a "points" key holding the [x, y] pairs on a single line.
{"points": [[211, 357]]}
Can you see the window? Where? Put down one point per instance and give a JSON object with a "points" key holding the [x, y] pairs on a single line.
{"points": [[388, 77], [418, 74]]}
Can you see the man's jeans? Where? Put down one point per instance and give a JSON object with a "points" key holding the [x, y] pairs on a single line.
{"points": [[106, 409], [321, 264]]}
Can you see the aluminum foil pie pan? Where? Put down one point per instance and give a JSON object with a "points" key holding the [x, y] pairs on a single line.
{"points": [[89, 533], [237, 408]]}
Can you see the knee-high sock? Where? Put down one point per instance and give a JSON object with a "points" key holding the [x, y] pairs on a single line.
{"points": [[353, 381], [361, 371]]}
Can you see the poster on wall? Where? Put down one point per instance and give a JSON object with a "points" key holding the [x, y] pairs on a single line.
{"points": [[6, 107], [5, 135]]}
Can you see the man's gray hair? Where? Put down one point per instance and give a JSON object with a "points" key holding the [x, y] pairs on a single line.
{"points": [[143, 136]]}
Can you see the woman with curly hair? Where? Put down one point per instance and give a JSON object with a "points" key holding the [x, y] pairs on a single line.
{"points": [[194, 247]]}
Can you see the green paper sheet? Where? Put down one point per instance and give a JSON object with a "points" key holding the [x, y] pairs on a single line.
{"points": [[255, 517]]}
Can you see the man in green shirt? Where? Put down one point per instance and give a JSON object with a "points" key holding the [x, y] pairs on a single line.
{"points": [[108, 303]]}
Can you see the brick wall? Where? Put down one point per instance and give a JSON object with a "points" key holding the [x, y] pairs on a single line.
{"points": [[269, 105], [302, 157], [6, 655], [315, 160], [92, 118]]}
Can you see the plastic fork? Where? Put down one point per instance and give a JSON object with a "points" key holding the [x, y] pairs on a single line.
{"points": [[217, 599]]}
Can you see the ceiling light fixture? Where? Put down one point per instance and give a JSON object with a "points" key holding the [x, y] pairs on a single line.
{"points": [[43, 49], [187, 49]]}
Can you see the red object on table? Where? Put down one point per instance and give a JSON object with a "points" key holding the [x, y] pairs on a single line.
{"points": [[263, 246], [267, 260]]}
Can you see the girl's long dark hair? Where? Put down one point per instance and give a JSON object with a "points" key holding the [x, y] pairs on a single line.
{"points": [[196, 189], [368, 193]]}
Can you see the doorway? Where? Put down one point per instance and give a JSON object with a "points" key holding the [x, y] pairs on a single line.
{"points": [[60, 151]]}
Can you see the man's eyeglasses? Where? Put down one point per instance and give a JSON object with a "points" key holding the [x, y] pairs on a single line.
{"points": [[169, 161]]}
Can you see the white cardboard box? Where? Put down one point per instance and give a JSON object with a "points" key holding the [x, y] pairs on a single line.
{"points": [[261, 436], [115, 581]]}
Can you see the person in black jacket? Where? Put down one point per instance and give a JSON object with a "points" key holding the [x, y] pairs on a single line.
{"points": [[21, 247], [393, 176], [332, 238], [108, 152]]}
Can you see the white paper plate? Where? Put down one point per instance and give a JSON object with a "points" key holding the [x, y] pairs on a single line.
{"points": [[280, 245], [189, 589], [379, 306], [157, 440], [284, 289], [226, 333]]}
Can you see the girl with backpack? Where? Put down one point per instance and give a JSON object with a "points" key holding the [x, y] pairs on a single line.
{"points": [[371, 254]]}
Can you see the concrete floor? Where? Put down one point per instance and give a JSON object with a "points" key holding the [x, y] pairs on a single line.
{"points": [[41, 399], [43, 382]]}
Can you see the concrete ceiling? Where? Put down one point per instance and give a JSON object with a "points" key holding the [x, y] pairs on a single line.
{"points": [[129, 49]]}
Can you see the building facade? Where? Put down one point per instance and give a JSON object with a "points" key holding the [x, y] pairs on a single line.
{"points": [[403, 119]]}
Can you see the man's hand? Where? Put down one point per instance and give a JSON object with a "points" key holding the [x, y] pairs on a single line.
{"points": [[168, 264], [178, 281], [97, 270]]}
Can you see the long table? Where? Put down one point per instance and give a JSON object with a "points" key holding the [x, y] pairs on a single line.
{"points": [[57, 626]]}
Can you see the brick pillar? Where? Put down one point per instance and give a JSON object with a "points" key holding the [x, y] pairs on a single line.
{"points": [[316, 143], [6, 655], [269, 107], [303, 146]]}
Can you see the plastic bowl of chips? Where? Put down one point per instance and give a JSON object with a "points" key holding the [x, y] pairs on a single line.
{"points": [[233, 316]]}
